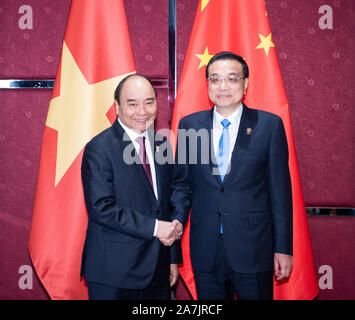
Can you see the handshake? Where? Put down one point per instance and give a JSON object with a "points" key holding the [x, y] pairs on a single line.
{"points": [[168, 232]]}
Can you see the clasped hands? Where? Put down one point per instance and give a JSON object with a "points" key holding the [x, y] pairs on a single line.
{"points": [[168, 232]]}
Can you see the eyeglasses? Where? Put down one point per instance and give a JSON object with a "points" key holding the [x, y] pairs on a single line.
{"points": [[232, 80]]}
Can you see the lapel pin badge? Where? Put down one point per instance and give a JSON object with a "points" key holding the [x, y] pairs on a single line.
{"points": [[156, 148], [249, 131]]}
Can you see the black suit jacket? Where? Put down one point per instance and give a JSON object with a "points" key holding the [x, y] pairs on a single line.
{"points": [[254, 202], [120, 249]]}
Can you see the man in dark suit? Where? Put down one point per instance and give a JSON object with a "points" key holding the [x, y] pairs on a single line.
{"points": [[127, 253], [239, 193]]}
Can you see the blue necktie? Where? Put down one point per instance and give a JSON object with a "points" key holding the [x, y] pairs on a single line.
{"points": [[223, 153], [223, 150]]}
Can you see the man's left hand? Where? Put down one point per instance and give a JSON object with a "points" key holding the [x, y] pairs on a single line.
{"points": [[282, 265]]}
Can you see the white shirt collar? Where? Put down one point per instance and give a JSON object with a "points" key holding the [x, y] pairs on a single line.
{"points": [[133, 135], [234, 118]]}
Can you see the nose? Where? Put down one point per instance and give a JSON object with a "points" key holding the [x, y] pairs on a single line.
{"points": [[141, 109], [223, 84]]}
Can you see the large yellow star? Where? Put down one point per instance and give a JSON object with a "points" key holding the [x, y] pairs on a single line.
{"points": [[79, 113], [266, 43], [204, 58], [204, 3]]}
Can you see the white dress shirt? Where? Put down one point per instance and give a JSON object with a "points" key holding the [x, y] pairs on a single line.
{"points": [[233, 128], [133, 135]]}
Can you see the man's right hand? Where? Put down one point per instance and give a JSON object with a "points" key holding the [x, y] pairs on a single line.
{"points": [[168, 232]]}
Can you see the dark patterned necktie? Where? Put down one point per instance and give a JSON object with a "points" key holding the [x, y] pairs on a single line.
{"points": [[144, 159]]}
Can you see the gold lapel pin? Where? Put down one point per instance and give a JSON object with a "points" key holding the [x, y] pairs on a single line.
{"points": [[249, 131], [156, 148]]}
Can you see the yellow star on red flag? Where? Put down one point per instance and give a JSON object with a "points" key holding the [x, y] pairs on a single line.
{"points": [[79, 103], [204, 3], [265, 9], [204, 58], [266, 43]]}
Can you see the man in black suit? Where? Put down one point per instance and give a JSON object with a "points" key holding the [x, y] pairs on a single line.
{"points": [[127, 253], [239, 193]]}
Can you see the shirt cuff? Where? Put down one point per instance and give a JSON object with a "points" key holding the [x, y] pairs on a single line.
{"points": [[155, 228]]}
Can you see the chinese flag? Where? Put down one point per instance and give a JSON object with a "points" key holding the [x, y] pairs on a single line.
{"points": [[242, 27], [96, 55]]}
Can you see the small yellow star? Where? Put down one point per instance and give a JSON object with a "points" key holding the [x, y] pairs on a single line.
{"points": [[204, 58], [204, 3], [266, 43], [79, 113], [265, 9]]}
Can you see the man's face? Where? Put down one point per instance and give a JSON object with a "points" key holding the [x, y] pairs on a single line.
{"points": [[137, 107], [226, 93]]}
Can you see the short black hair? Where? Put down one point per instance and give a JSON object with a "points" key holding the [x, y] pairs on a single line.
{"points": [[227, 55], [118, 90]]}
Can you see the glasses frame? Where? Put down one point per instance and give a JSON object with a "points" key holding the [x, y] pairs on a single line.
{"points": [[226, 80]]}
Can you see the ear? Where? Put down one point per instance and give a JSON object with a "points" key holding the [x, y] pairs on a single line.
{"points": [[117, 107], [246, 82]]}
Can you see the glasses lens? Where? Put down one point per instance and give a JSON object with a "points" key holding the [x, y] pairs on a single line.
{"points": [[230, 81]]}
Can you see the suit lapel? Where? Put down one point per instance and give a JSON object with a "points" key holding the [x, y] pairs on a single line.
{"points": [[245, 133], [123, 142], [207, 123], [122, 139], [155, 148]]}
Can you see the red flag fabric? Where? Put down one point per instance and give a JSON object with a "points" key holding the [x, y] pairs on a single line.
{"points": [[242, 27], [96, 55]]}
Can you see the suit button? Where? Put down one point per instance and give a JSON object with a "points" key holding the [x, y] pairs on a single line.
{"points": [[219, 214], [222, 189], [158, 212]]}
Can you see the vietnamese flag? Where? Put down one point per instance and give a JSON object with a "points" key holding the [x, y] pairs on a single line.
{"points": [[96, 55], [242, 26]]}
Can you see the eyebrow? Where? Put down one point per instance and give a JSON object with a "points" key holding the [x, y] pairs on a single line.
{"points": [[148, 99]]}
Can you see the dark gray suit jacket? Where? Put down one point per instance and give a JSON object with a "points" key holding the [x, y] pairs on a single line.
{"points": [[254, 202], [120, 249]]}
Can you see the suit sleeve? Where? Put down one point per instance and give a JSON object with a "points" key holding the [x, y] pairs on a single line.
{"points": [[280, 190], [176, 253], [97, 179], [181, 180]]}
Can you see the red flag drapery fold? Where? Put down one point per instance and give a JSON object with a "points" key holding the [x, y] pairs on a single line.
{"points": [[242, 27], [96, 55]]}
